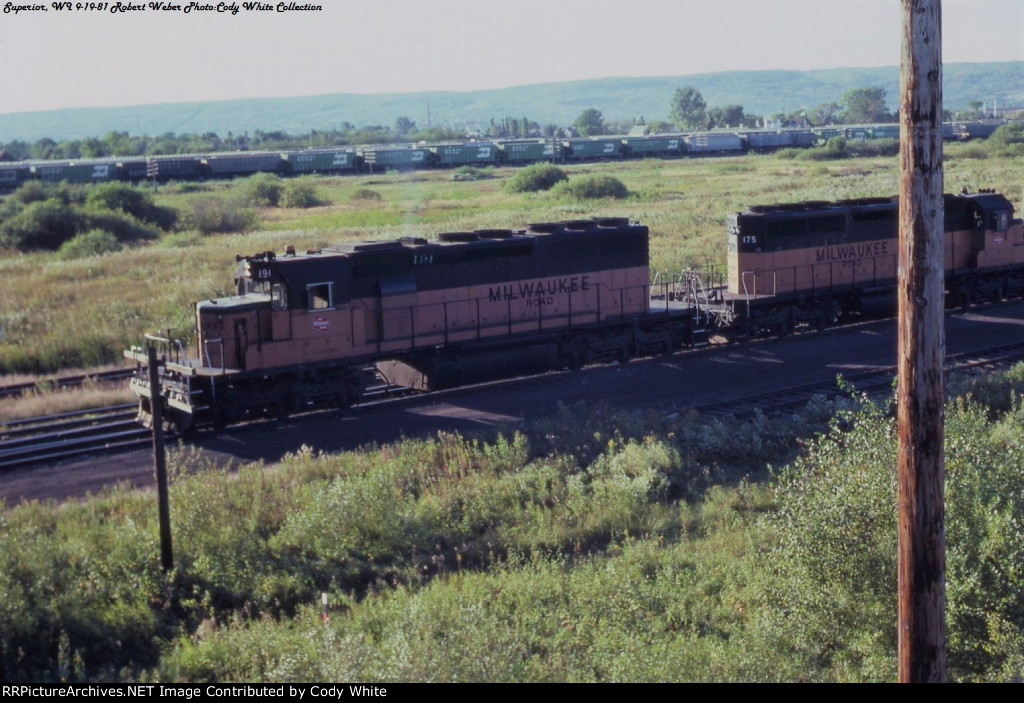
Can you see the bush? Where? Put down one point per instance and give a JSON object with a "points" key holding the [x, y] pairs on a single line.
{"points": [[830, 572], [535, 178], [209, 215], [592, 187], [124, 227], [366, 194], [44, 224], [836, 147], [470, 173], [1010, 133], [300, 193], [91, 243], [874, 147], [30, 192], [263, 190], [120, 197]]}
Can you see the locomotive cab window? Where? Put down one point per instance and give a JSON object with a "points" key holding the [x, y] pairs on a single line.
{"points": [[1000, 221], [319, 296], [279, 296]]}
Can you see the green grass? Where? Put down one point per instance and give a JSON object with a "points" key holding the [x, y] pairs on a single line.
{"points": [[591, 545]]}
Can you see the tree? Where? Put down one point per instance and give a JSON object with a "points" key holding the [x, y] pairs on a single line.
{"points": [[865, 106], [725, 116], [43, 148], [974, 110], [590, 122], [93, 148], [825, 113], [688, 109], [403, 125]]}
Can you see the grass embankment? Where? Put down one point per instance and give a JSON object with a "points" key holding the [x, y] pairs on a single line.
{"points": [[591, 546], [83, 312]]}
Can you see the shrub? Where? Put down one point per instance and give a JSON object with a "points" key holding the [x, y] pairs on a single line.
{"points": [[44, 224], [366, 194], [120, 197], [874, 147], [836, 147], [209, 215], [470, 173], [124, 227], [263, 189], [300, 193], [91, 243], [830, 571], [28, 193], [1010, 133], [592, 187], [535, 178]]}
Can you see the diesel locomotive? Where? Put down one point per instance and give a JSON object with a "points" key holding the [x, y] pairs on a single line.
{"points": [[812, 262], [316, 329]]}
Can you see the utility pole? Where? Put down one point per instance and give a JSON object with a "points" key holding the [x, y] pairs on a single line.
{"points": [[160, 462], [921, 292]]}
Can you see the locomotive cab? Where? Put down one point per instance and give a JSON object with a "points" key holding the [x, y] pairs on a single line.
{"points": [[985, 235]]}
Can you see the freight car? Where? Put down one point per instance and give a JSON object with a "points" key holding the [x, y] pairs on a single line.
{"points": [[706, 143], [76, 171], [399, 158], [244, 163], [809, 263], [323, 161], [376, 158], [313, 329], [528, 151]]}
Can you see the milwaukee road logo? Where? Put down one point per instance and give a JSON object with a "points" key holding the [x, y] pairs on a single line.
{"points": [[846, 252], [541, 289]]}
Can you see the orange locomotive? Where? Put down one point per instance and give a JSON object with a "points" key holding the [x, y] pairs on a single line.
{"points": [[315, 329], [812, 262]]}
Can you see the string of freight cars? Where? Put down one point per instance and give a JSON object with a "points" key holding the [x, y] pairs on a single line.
{"points": [[373, 158]]}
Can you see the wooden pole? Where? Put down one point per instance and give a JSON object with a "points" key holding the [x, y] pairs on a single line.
{"points": [[922, 558], [160, 462]]}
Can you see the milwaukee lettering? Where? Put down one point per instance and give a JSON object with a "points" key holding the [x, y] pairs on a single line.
{"points": [[845, 252], [539, 289]]}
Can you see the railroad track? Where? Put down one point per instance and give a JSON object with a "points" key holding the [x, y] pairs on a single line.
{"points": [[16, 389], [54, 437], [872, 383]]}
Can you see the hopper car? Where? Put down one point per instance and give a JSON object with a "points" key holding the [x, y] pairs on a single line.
{"points": [[377, 158]]}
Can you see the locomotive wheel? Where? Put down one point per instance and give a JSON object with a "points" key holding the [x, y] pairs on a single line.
{"points": [[177, 423]]}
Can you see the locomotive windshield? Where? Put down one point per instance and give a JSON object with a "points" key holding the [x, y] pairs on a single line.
{"points": [[247, 286]]}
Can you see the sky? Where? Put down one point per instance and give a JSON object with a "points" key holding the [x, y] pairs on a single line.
{"points": [[97, 58]]}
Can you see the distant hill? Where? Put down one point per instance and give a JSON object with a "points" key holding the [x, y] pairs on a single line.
{"points": [[760, 92]]}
